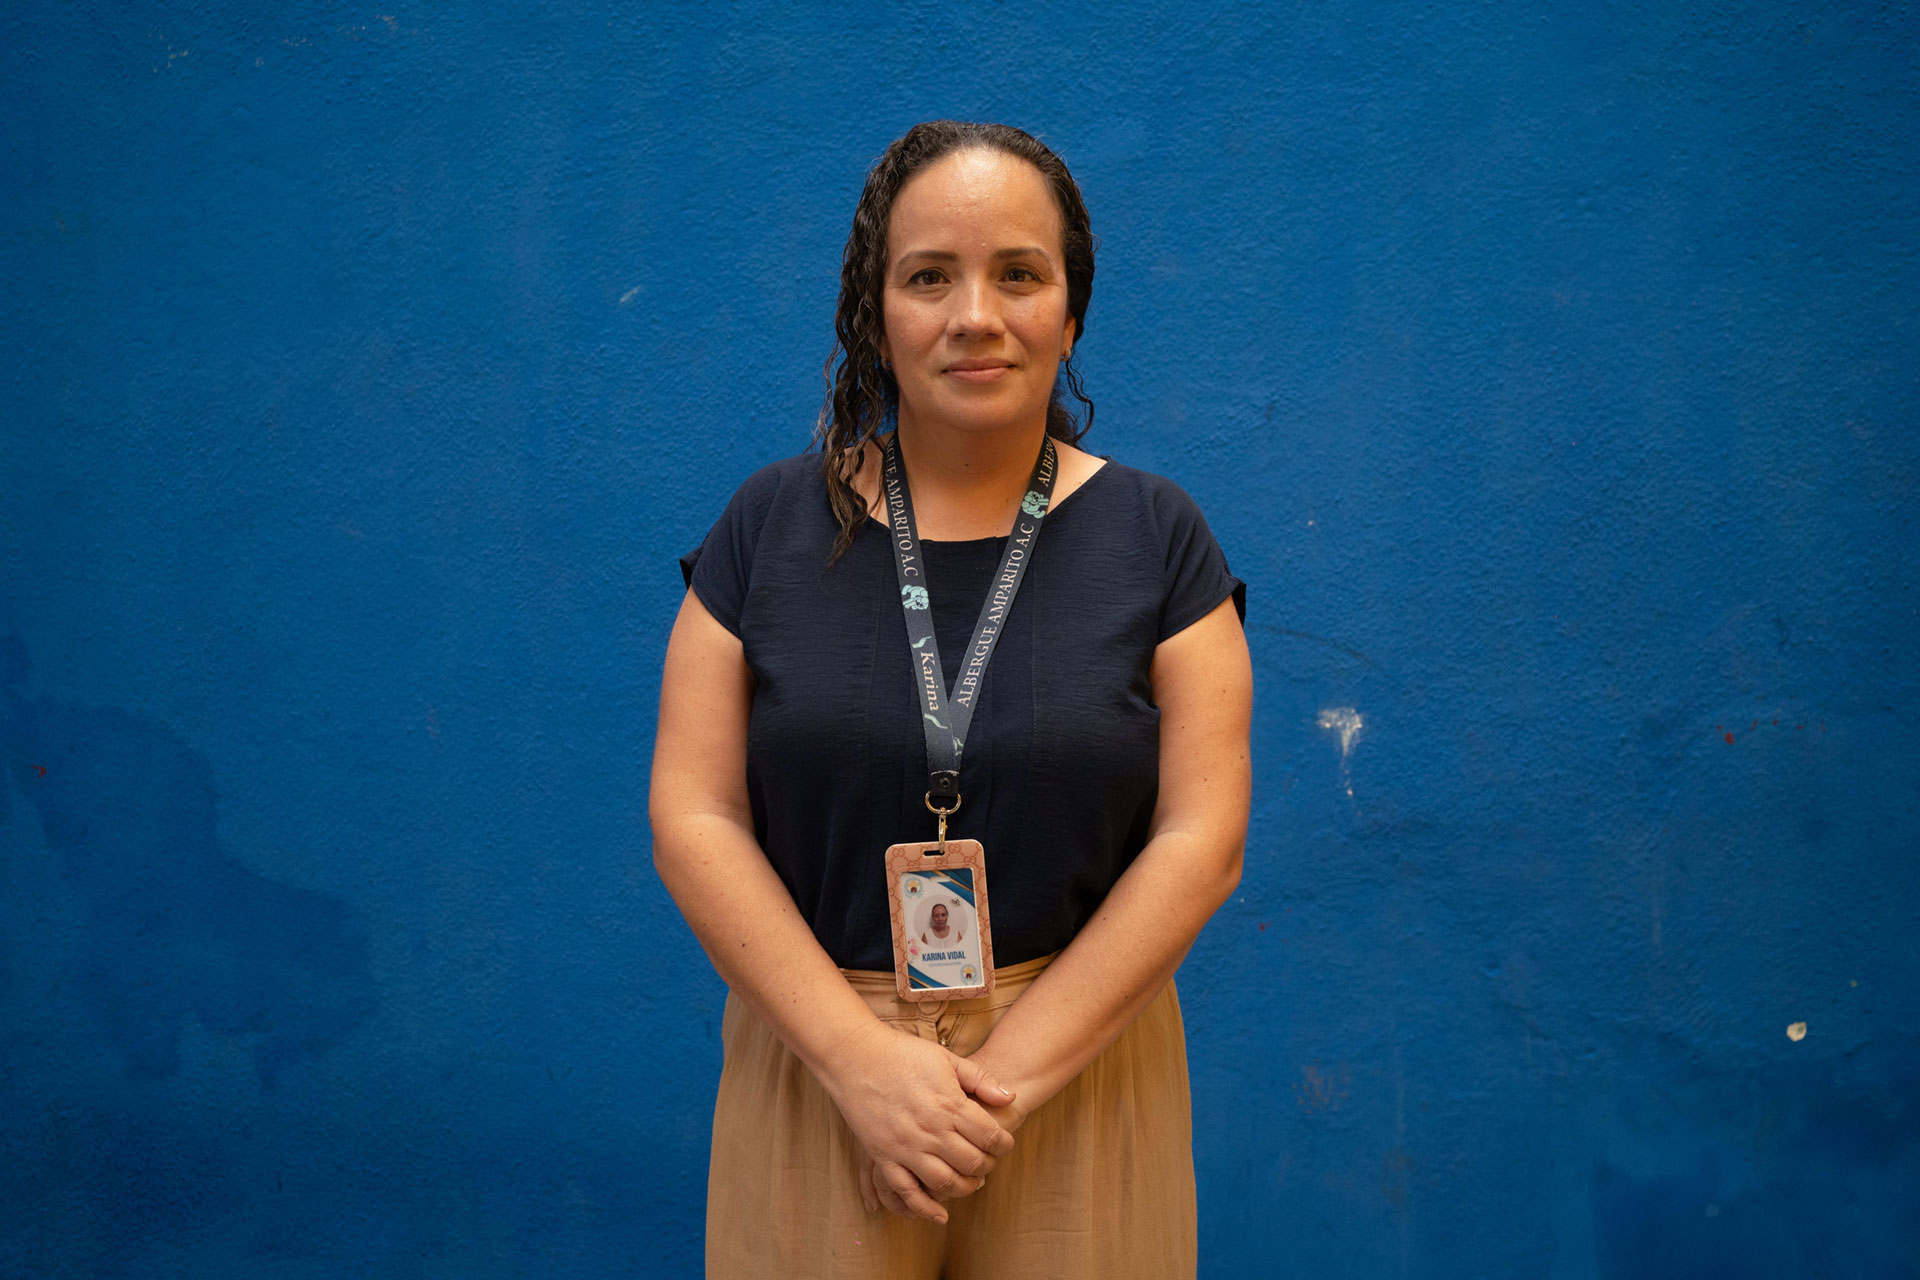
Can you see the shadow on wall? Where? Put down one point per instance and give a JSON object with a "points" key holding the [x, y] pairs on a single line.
{"points": [[173, 925]]}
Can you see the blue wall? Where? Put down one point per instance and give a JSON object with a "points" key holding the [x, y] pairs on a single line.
{"points": [[1551, 377]]}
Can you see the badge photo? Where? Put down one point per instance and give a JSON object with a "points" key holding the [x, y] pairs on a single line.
{"points": [[942, 939]]}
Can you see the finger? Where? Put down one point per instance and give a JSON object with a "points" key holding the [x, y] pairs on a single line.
{"points": [[884, 1194], [957, 1186], [894, 1205], [914, 1200], [983, 1131], [941, 1180], [868, 1196], [980, 1082], [967, 1160], [963, 1188]]}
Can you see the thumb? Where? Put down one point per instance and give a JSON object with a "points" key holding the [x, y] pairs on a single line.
{"points": [[979, 1082]]}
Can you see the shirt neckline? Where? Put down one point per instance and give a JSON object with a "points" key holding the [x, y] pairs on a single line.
{"points": [[1106, 465]]}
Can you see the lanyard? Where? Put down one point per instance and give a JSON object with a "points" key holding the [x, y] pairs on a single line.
{"points": [[945, 717]]}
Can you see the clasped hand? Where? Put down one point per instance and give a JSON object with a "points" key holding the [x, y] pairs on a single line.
{"points": [[920, 1113]]}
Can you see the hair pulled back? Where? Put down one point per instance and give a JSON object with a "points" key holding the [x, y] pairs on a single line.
{"points": [[862, 395]]}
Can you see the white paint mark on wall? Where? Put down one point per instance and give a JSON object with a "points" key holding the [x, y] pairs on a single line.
{"points": [[1346, 722], [629, 295], [1796, 1031]]}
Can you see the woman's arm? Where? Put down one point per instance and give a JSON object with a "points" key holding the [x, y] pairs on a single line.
{"points": [[1115, 966], [906, 1099]]}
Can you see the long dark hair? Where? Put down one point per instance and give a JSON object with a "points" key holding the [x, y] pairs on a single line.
{"points": [[861, 393]]}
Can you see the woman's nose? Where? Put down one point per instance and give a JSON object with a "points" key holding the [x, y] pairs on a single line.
{"points": [[977, 309]]}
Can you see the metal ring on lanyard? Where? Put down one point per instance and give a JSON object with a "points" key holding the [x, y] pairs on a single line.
{"points": [[943, 815]]}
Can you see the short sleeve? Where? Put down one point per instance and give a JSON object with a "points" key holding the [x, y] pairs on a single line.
{"points": [[1197, 578], [720, 569]]}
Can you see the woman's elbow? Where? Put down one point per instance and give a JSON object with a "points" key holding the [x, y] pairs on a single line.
{"points": [[673, 824], [1227, 873]]}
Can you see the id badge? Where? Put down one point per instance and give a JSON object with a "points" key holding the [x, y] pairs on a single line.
{"points": [[942, 944]]}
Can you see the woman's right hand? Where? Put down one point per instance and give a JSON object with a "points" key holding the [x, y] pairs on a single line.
{"points": [[911, 1106]]}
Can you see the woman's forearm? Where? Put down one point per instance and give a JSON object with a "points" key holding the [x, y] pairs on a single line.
{"points": [[745, 920], [1126, 953], [1112, 970]]}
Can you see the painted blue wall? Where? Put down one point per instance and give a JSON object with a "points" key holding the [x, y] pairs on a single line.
{"points": [[1551, 377]]}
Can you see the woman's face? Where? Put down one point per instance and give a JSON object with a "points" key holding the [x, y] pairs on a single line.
{"points": [[939, 917], [975, 303]]}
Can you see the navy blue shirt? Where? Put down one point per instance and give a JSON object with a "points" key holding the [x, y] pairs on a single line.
{"points": [[1061, 768]]}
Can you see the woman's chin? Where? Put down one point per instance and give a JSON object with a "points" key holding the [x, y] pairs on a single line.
{"points": [[977, 415]]}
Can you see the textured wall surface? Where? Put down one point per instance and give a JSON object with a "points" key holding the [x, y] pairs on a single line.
{"points": [[1549, 372]]}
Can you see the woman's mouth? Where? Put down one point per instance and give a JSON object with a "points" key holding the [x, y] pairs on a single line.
{"points": [[979, 370]]}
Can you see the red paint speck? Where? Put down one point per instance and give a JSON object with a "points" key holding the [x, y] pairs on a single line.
{"points": [[1263, 926], [1754, 725], [42, 768], [1729, 739]]}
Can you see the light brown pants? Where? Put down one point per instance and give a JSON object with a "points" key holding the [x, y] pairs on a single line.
{"points": [[1100, 1182]]}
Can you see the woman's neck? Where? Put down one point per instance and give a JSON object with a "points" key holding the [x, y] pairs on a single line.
{"points": [[967, 484]]}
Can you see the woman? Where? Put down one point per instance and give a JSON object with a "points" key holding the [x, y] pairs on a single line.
{"points": [[1105, 771], [938, 932]]}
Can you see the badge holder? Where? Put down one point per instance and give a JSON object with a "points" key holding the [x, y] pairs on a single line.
{"points": [[937, 893]]}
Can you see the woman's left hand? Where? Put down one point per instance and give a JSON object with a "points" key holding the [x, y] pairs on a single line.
{"points": [[1014, 1114], [876, 1194], [1010, 1117]]}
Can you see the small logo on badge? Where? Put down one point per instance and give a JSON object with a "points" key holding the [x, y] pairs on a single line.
{"points": [[913, 949], [1035, 503], [968, 976], [913, 597]]}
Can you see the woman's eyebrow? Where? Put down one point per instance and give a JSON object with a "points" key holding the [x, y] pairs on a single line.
{"points": [[947, 255]]}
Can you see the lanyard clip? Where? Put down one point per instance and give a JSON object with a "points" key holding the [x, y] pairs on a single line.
{"points": [[943, 785]]}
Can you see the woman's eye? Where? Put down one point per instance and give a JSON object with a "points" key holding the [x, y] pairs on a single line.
{"points": [[925, 276], [1023, 275]]}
